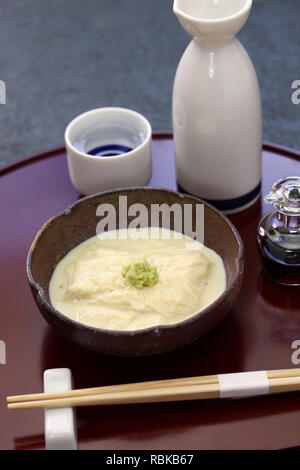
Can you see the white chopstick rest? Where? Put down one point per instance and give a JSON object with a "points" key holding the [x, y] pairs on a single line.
{"points": [[60, 423], [244, 384]]}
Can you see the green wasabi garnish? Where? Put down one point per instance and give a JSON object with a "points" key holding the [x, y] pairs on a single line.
{"points": [[140, 274]]}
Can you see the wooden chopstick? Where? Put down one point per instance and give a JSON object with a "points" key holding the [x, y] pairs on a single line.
{"points": [[194, 388], [192, 392], [210, 379], [283, 373]]}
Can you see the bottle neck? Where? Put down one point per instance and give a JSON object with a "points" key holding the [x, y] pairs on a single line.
{"points": [[213, 42], [290, 223]]}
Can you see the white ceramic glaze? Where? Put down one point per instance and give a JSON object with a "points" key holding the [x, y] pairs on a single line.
{"points": [[60, 423], [217, 106], [91, 174]]}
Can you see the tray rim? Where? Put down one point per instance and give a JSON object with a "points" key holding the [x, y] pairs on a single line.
{"points": [[156, 135]]}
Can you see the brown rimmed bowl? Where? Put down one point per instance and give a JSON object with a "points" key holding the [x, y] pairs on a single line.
{"points": [[78, 223]]}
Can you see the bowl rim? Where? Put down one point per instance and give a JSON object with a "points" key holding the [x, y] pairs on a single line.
{"points": [[239, 263]]}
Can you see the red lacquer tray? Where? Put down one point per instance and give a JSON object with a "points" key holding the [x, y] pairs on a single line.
{"points": [[256, 335]]}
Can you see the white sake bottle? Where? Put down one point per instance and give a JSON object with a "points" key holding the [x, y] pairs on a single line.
{"points": [[217, 119]]}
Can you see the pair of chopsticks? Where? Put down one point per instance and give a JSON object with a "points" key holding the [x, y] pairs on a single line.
{"points": [[194, 388]]}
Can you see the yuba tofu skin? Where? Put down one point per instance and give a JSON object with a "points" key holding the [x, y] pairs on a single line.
{"points": [[88, 286]]}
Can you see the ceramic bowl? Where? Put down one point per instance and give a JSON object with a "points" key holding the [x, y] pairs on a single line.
{"points": [[109, 148], [78, 223]]}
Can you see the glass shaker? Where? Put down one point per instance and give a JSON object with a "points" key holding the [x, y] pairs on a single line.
{"points": [[278, 234]]}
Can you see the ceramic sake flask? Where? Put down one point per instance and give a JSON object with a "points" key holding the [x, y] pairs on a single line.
{"points": [[217, 107]]}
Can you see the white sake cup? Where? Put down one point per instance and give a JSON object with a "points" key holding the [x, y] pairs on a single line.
{"points": [[113, 129]]}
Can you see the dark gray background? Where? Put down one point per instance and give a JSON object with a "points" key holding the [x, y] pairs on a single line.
{"points": [[62, 57]]}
